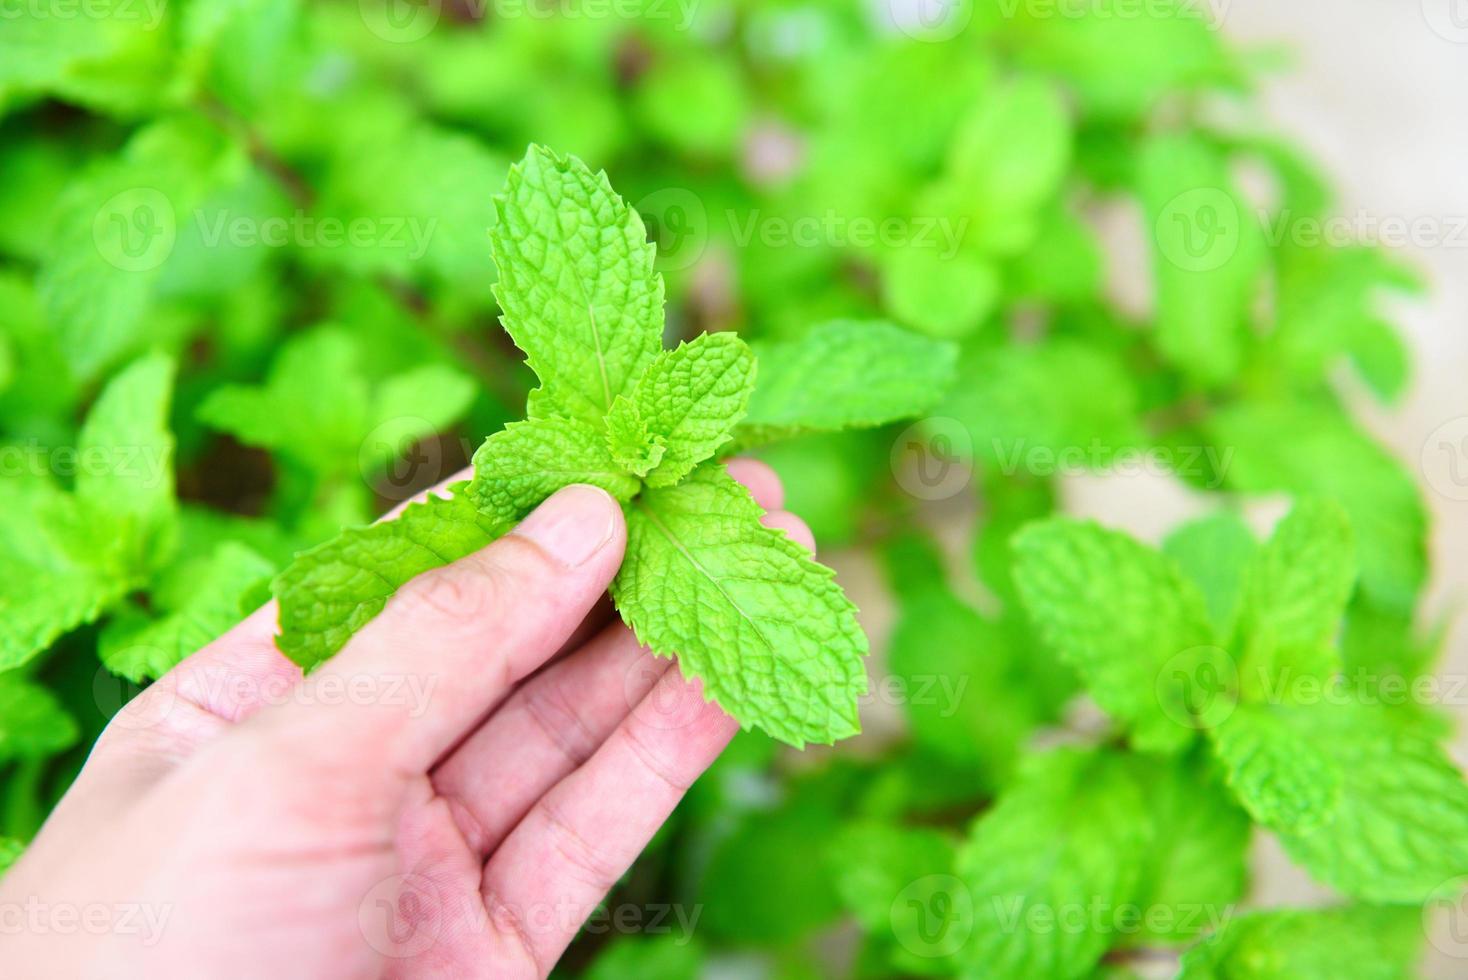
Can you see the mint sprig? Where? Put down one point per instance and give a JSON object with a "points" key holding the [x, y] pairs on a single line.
{"points": [[743, 607]]}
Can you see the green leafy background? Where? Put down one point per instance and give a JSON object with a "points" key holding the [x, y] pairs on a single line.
{"points": [[246, 300]]}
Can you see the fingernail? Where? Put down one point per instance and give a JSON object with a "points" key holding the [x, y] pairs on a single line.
{"points": [[572, 524]]}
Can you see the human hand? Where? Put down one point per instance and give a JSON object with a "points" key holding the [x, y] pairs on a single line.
{"points": [[451, 795]]}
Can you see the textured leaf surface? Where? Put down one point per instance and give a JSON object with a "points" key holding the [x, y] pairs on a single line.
{"points": [[334, 589], [1195, 865], [1359, 942], [845, 374], [690, 398], [1278, 773], [1120, 613], [1317, 452], [576, 284], [60, 573], [745, 609], [521, 465], [1398, 829], [1295, 597], [1049, 865], [129, 473], [1214, 552], [223, 587]]}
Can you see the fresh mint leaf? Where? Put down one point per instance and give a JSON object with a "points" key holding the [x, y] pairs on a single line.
{"points": [[690, 398], [319, 409], [1196, 864], [33, 724], [1207, 255], [1358, 941], [129, 448], [745, 609], [1214, 553], [1395, 829], [1121, 614], [1295, 596], [1316, 451], [524, 463], [1281, 776], [62, 571], [224, 588], [576, 284], [841, 375], [336, 588], [1050, 865]]}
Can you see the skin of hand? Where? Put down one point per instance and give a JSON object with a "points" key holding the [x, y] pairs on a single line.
{"points": [[450, 796]]}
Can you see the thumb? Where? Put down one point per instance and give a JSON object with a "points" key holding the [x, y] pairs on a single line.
{"points": [[454, 641]]}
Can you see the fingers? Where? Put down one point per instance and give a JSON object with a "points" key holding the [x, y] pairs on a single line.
{"points": [[459, 637], [552, 724], [583, 835], [549, 726], [763, 483]]}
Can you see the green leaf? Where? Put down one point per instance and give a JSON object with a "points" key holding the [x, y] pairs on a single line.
{"points": [[576, 284], [114, 231], [690, 398], [1049, 866], [128, 476], [33, 724], [1295, 596], [225, 587], [1360, 942], [873, 862], [518, 467], [745, 609], [1121, 614], [844, 374], [1214, 552], [1006, 160], [63, 569], [1024, 406], [318, 408], [421, 194], [941, 294], [1207, 255], [334, 589], [1398, 827], [10, 852], [967, 692], [658, 957], [1196, 862], [1315, 451], [632, 446], [1281, 776]]}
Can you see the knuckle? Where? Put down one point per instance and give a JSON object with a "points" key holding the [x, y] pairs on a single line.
{"points": [[469, 590]]}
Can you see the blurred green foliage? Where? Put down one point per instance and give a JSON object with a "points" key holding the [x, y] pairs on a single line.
{"points": [[245, 300]]}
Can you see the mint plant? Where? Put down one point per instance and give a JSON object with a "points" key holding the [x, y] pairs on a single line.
{"points": [[744, 608], [242, 246]]}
